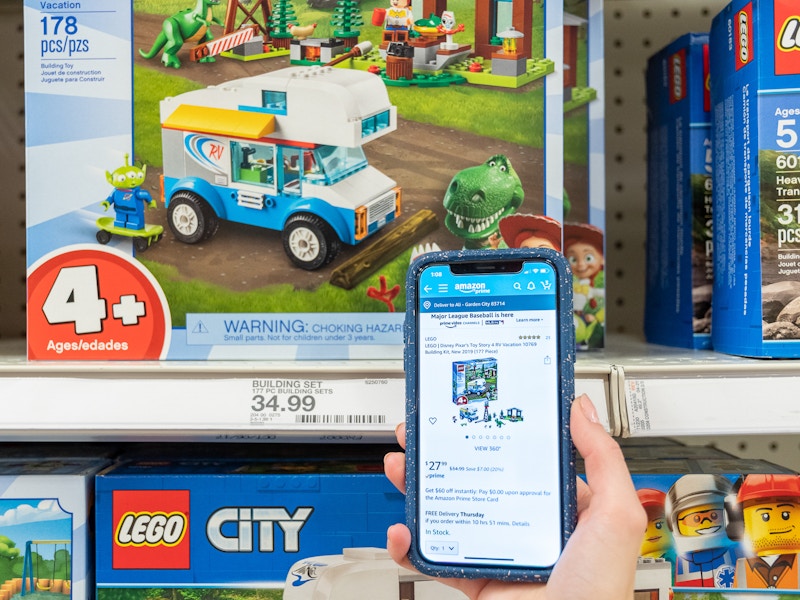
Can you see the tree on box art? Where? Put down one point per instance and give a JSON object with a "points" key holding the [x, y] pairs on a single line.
{"points": [[281, 21], [346, 17]]}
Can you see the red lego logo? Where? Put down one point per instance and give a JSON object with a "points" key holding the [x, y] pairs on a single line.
{"points": [[745, 53], [706, 79], [151, 529], [678, 76], [787, 37]]}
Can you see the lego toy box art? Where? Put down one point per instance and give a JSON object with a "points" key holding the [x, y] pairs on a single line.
{"points": [[679, 258], [715, 531], [584, 167], [239, 524], [45, 527], [755, 77], [251, 180]]}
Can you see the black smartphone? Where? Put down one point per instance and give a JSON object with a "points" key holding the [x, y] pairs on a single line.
{"points": [[489, 358]]}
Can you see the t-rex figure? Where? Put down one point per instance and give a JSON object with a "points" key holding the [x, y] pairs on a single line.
{"points": [[188, 25], [478, 197]]}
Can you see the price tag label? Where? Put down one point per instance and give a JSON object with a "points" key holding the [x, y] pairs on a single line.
{"points": [[88, 303], [359, 404], [638, 409]]}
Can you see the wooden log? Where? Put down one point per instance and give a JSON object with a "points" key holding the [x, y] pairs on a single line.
{"points": [[365, 263]]}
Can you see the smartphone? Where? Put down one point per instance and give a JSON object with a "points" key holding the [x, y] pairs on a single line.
{"points": [[489, 355]]}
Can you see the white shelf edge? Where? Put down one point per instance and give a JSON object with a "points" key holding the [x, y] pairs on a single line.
{"points": [[211, 401]]}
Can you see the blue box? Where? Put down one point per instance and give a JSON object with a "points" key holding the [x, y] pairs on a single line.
{"points": [[679, 257], [233, 523], [45, 508], [725, 493], [755, 77]]}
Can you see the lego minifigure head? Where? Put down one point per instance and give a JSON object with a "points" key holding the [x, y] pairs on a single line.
{"points": [[531, 231], [771, 513], [657, 538], [400, 3], [583, 247], [695, 511], [127, 176], [704, 519]]}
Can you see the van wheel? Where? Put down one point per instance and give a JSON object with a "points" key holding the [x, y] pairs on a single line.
{"points": [[190, 218], [309, 241]]}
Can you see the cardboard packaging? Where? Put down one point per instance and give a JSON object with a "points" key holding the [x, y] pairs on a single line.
{"points": [[46, 526], [755, 75], [679, 195], [585, 167], [725, 499], [223, 524], [202, 200]]}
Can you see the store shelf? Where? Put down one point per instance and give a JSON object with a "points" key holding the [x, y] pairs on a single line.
{"points": [[669, 392], [639, 389], [312, 401]]}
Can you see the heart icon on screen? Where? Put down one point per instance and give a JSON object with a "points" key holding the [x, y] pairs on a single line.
{"points": [[432, 420]]}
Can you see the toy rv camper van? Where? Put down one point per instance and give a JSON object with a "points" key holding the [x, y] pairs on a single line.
{"points": [[351, 574], [281, 151]]}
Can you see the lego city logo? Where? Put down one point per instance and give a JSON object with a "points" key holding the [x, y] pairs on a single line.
{"points": [[744, 37], [151, 529], [787, 38], [241, 529], [678, 79]]}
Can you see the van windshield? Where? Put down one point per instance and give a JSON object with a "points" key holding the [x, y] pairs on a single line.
{"points": [[337, 162]]}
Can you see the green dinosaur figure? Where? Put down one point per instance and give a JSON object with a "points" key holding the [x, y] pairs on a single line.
{"points": [[478, 197], [188, 25]]}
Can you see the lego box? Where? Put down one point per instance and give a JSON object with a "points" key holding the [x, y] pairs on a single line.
{"points": [[717, 526], [215, 192], [46, 526], [755, 77], [679, 195], [286, 528], [585, 168]]}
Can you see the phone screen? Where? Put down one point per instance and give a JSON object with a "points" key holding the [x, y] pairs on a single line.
{"points": [[488, 403]]}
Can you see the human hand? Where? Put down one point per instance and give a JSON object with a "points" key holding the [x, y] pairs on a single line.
{"points": [[599, 560]]}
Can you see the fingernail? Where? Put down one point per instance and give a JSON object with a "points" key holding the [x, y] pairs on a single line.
{"points": [[588, 409], [399, 428]]}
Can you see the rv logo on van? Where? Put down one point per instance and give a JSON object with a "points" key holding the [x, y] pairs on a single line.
{"points": [[207, 152]]}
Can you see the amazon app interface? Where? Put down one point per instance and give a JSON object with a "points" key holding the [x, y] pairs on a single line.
{"points": [[488, 409]]}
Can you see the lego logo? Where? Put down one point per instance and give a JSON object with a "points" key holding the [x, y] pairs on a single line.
{"points": [[786, 23], [151, 529], [678, 77], [789, 38], [744, 38]]}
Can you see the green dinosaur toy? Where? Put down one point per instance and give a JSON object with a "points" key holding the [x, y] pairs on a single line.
{"points": [[188, 25], [478, 197]]}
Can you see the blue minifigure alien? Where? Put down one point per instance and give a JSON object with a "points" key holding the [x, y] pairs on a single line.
{"points": [[128, 198]]}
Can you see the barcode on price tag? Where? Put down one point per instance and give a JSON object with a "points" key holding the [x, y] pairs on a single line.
{"points": [[342, 419], [316, 402]]}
